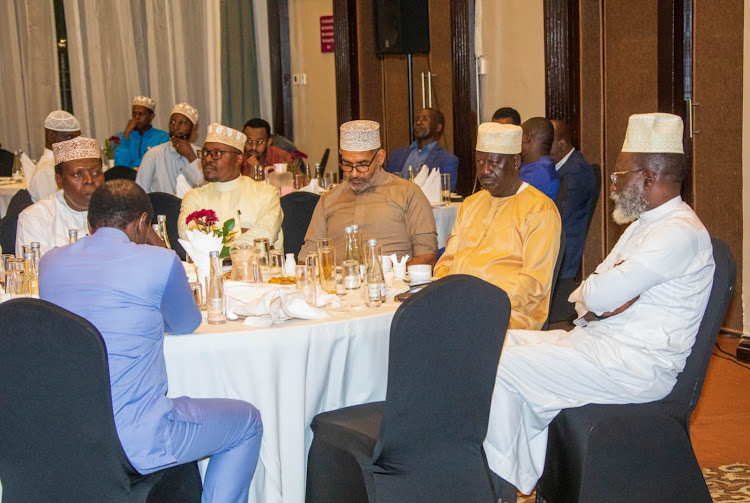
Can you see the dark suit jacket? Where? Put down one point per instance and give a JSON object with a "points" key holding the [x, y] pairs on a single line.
{"points": [[581, 194], [438, 157]]}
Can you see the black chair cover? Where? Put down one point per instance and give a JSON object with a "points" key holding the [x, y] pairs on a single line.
{"points": [[555, 278], [6, 162], [298, 208], [562, 194], [58, 440], [9, 224], [444, 349], [639, 452], [169, 205], [117, 172]]}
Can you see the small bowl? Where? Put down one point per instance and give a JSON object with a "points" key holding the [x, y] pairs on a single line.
{"points": [[419, 272]]}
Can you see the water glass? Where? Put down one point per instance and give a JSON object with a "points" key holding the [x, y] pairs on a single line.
{"points": [[265, 248], [445, 187], [311, 261], [277, 263], [332, 179], [4, 266], [305, 277], [197, 289], [327, 268], [258, 173], [15, 285], [324, 242]]}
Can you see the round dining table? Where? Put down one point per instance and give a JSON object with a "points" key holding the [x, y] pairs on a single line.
{"points": [[8, 189]]}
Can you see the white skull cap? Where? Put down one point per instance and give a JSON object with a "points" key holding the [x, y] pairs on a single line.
{"points": [[60, 120], [187, 110], [359, 136], [499, 138], [655, 133], [226, 135], [77, 148], [145, 101]]}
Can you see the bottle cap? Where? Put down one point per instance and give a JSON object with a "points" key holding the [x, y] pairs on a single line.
{"points": [[213, 254], [160, 218], [372, 242]]}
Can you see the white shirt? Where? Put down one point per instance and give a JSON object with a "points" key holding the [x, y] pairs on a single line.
{"points": [[48, 222], [42, 183], [664, 258], [161, 166], [562, 161]]}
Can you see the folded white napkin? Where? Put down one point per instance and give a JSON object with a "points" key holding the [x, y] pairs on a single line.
{"points": [[277, 302], [27, 166], [181, 186], [431, 186], [198, 245], [190, 271], [422, 175], [312, 187]]}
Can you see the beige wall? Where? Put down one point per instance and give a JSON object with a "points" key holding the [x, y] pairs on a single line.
{"points": [[314, 104], [746, 172], [513, 45]]}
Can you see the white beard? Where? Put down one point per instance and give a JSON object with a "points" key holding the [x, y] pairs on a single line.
{"points": [[629, 205]]}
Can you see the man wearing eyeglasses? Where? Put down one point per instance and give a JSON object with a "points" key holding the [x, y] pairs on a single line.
{"points": [[233, 196], [386, 207], [259, 150]]}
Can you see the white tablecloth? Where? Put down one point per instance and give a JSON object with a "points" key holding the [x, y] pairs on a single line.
{"points": [[291, 372], [445, 216], [7, 191]]}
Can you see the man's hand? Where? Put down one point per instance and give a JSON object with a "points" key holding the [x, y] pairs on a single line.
{"points": [[252, 161], [425, 258], [132, 123], [184, 148], [592, 317]]}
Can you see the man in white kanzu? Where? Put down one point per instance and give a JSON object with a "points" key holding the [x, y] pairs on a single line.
{"points": [[639, 312], [58, 126], [163, 165], [231, 195], [78, 172]]}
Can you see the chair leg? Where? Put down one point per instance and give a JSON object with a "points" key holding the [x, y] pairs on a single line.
{"points": [[539, 498]]}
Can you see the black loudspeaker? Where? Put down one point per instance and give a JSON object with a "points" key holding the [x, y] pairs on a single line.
{"points": [[401, 26]]}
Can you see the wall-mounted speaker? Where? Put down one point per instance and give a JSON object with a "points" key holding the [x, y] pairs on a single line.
{"points": [[401, 26]]}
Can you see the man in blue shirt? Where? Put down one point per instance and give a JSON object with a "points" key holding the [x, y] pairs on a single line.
{"points": [[132, 292], [537, 168], [428, 126], [139, 136]]}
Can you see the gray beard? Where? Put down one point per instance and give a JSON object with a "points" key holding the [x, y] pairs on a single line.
{"points": [[629, 205]]}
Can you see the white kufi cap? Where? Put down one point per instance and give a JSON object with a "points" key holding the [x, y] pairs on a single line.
{"points": [[226, 135], [655, 133], [77, 148], [186, 110], [60, 120], [145, 101], [499, 138], [359, 136]]}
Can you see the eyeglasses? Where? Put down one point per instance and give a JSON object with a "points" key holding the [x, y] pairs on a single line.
{"points": [[617, 174], [362, 168], [258, 143], [215, 153]]}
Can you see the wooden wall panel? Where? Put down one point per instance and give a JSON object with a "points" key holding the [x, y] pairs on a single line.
{"points": [[717, 149]]}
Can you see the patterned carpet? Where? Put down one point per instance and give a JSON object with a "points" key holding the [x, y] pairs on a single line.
{"points": [[727, 484]]}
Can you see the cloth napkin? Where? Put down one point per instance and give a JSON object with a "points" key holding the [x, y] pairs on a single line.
{"points": [[422, 175], [181, 186], [198, 245], [431, 186], [312, 187], [273, 303], [27, 166]]}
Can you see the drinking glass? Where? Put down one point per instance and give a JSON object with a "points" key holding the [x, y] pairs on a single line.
{"points": [[15, 285], [4, 266], [445, 187], [197, 290], [311, 260], [327, 268], [324, 242], [332, 179], [277, 263], [265, 248], [305, 276], [258, 174]]}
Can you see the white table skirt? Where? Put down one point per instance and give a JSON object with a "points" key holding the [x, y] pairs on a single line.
{"points": [[7, 191], [445, 217], [290, 372]]}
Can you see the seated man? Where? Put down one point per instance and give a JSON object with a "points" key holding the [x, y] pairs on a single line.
{"points": [[233, 196], [163, 164], [387, 208], [508, 233], [641, 311], [139, 135], [58, 126], [259, 149], [428, 126], [132, 293], [579, 200], [537, 168], [78, 172], [507, 115]]}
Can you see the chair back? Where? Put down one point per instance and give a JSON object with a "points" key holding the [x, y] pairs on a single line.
{"points": [[562, 194], [9, 224], [6, 162], [441, 374], [555, 275], [684, 396], [597, 171], [298, 208], [117, 172], [324, 161], [169, 205], [57, 432]]}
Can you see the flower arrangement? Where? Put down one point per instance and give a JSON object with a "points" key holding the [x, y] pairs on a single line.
{"points": [[110, 145], [298, 160], [205, 220]]}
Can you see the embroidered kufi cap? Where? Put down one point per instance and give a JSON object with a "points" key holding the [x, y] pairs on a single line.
{"points": [[145, 101], [226, 135], [499, 138], [186, 110], [359, 136], [60, 120], [77, 148], [656, 133]]}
